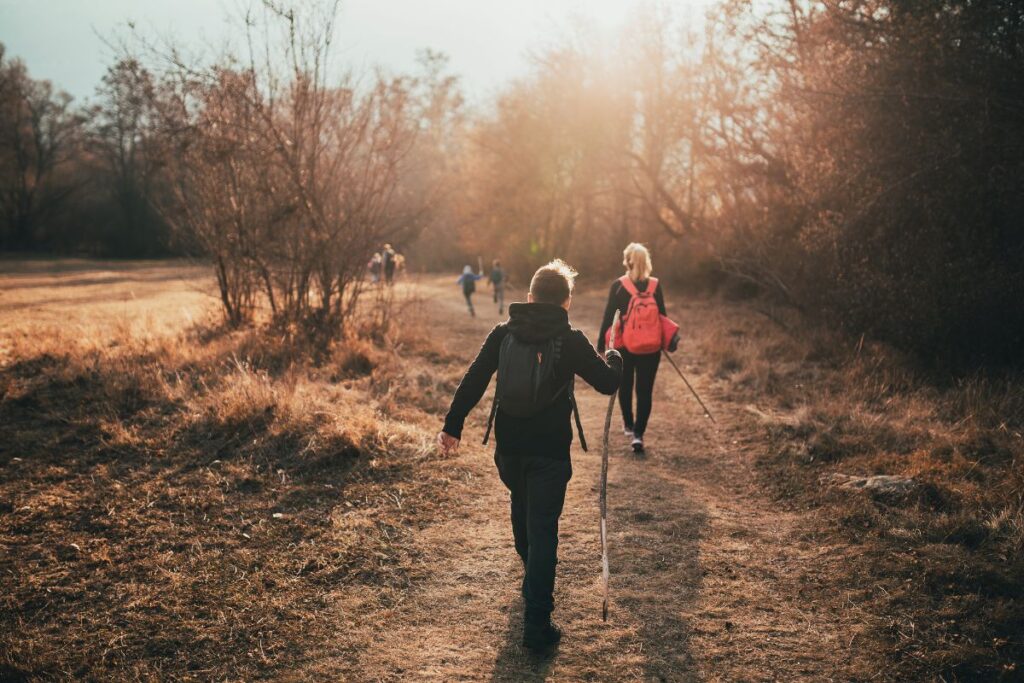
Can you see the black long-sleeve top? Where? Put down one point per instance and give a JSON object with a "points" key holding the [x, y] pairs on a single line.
{"points": [[618, 298], [549, 433]]}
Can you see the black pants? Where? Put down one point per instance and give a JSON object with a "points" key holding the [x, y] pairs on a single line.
{"points": [[499, 297], [537, 485], [645, 367]]}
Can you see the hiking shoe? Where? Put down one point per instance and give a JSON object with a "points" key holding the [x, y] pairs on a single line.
{"points": [[540, 637], [627, 432], [638, 444]]}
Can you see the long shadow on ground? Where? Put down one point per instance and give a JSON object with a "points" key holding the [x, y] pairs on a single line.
{"points": [[513, 663], [657, 575]]}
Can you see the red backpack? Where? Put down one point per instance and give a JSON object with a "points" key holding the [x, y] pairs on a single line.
{"points": [[641, 328]]}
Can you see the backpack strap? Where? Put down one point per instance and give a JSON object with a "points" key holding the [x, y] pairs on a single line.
{"points": [[570, 389], [576, 414], [494, 401], [628, 285], [490, 419]]}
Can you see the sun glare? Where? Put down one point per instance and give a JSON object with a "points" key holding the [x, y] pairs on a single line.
{"points": [[611, 14]]}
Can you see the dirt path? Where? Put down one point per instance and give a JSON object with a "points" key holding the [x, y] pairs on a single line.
{"points": [[710, 580]]}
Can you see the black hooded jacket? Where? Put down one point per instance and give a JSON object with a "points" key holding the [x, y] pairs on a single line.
{"points": [[549, 433]]}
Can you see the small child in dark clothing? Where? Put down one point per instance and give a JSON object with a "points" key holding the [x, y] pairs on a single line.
{"points": [[532, 452]]}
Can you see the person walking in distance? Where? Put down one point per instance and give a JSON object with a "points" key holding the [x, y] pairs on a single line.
{"points": [[537, 356], [639, 299], [497, 280], [468, 282], [375, 266], [388, 256]]}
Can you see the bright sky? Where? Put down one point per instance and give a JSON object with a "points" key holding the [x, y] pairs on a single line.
{"points": [[488, 40]]}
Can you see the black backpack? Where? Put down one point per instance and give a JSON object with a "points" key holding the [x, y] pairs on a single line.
{"points": [[468, 285], [526, 382]]}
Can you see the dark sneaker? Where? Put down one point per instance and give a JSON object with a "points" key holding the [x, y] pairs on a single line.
{"points": [[540, 637], [638, 444]]}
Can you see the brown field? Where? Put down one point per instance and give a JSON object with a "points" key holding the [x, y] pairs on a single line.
{"points": [[186, 502], [80, 298]]}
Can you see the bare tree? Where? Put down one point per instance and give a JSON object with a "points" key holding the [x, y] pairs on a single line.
{"points": [[37, 128], [288, 172], [125, 165]]}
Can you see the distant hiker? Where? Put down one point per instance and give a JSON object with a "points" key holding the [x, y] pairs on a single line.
{"points": [[537, 356], [468, 281], [388, 256], [399, 264], [375, 266], [639, 299], [497, 280]]}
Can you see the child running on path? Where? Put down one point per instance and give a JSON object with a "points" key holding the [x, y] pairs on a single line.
{"points": [[537, 356], [468, 281], [497, 280]]}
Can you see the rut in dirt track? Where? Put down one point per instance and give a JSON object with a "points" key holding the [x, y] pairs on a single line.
{"points": [[710, 580]]}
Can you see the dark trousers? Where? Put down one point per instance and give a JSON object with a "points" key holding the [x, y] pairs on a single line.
{"points": [[499, 297], [645, 368], [537, 485]]}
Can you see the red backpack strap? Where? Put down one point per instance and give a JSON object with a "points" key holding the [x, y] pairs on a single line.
{"points": [[627, 284]]}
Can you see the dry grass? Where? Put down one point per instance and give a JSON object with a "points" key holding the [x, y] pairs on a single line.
{"points": [[944, 560], [180, 505], [181, 501]]}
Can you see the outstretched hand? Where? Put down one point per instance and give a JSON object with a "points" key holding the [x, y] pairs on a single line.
{"points": [[447, 444]]}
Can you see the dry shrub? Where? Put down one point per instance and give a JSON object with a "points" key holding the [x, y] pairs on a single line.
{"points": [[355, 358], [944, 557], [182, 507], [726, 351]]}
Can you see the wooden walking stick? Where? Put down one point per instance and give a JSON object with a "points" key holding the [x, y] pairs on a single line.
{"points": [[604, 486], [689, 386]]}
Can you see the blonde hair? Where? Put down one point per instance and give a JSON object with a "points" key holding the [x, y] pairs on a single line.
{"points": [[637, 261]]}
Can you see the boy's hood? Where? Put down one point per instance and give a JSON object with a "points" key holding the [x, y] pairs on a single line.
{"points": [[535, 323]]}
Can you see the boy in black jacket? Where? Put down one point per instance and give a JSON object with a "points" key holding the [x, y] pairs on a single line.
{"points": [[532, 453]]}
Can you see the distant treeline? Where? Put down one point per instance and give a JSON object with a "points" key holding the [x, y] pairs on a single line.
{"points": [[284, 172], [78, 180], [861, 161]]}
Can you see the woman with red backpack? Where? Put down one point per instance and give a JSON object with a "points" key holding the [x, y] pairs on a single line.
{"points": [[640, 302]]}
